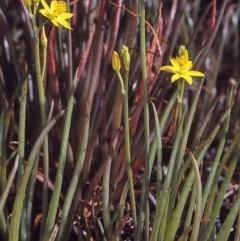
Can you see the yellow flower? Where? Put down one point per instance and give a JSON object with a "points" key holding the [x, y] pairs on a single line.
{"points": [[181, 67], [57, 13], [116, 64]]}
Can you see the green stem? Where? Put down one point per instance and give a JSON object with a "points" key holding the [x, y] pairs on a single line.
{"points": [[105, 200], [39, 78], [22, 122], [45, 157], [21, 150], [42, 102], [4, 195], [76, 173], [198, 210], [145, 187], [70, 57], [59, 176], [180, 87], [127, 147]]}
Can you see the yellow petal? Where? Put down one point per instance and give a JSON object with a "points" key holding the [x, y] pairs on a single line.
{"points": [[53, 5], [175, 63], [169, 69], [64, 23], [45, 5], [46, 13], [188, 78], [54, 22], [65, 15], [195, 73], [175, 77], [187, 66]]}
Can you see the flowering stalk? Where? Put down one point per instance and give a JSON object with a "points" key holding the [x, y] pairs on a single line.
{"points": [[58, 14], [116, 66], [144, 198], [15, 221], [126, 60], [45, 144]]}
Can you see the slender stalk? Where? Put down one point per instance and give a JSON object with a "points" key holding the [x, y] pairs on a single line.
{"points": [[45, 153], [76, 174], [39, 78], [42, 102], [22, 127], [180, 87], [59, 176], [188, 219], [4, 227], [21, 150], [70, 57], [198, 210], [145, 187], [127, 147], [107, 221], [121, 207], [4, 195], [159, 152]]}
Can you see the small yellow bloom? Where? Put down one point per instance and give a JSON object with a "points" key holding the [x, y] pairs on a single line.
{"points": [[57, 13], [126, 57], [181, 67], [116, 64]]}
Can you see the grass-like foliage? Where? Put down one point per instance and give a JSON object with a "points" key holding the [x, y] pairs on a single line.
{"points": [[119, 120]]}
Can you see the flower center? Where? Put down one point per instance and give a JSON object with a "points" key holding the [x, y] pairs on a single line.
{"points": [[59, 8]]}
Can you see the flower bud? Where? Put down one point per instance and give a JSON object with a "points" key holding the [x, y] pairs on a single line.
{"points": [[36, 2], [181, 50], [116, 64], [126, 57], [43, 37], [28, 3]]}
